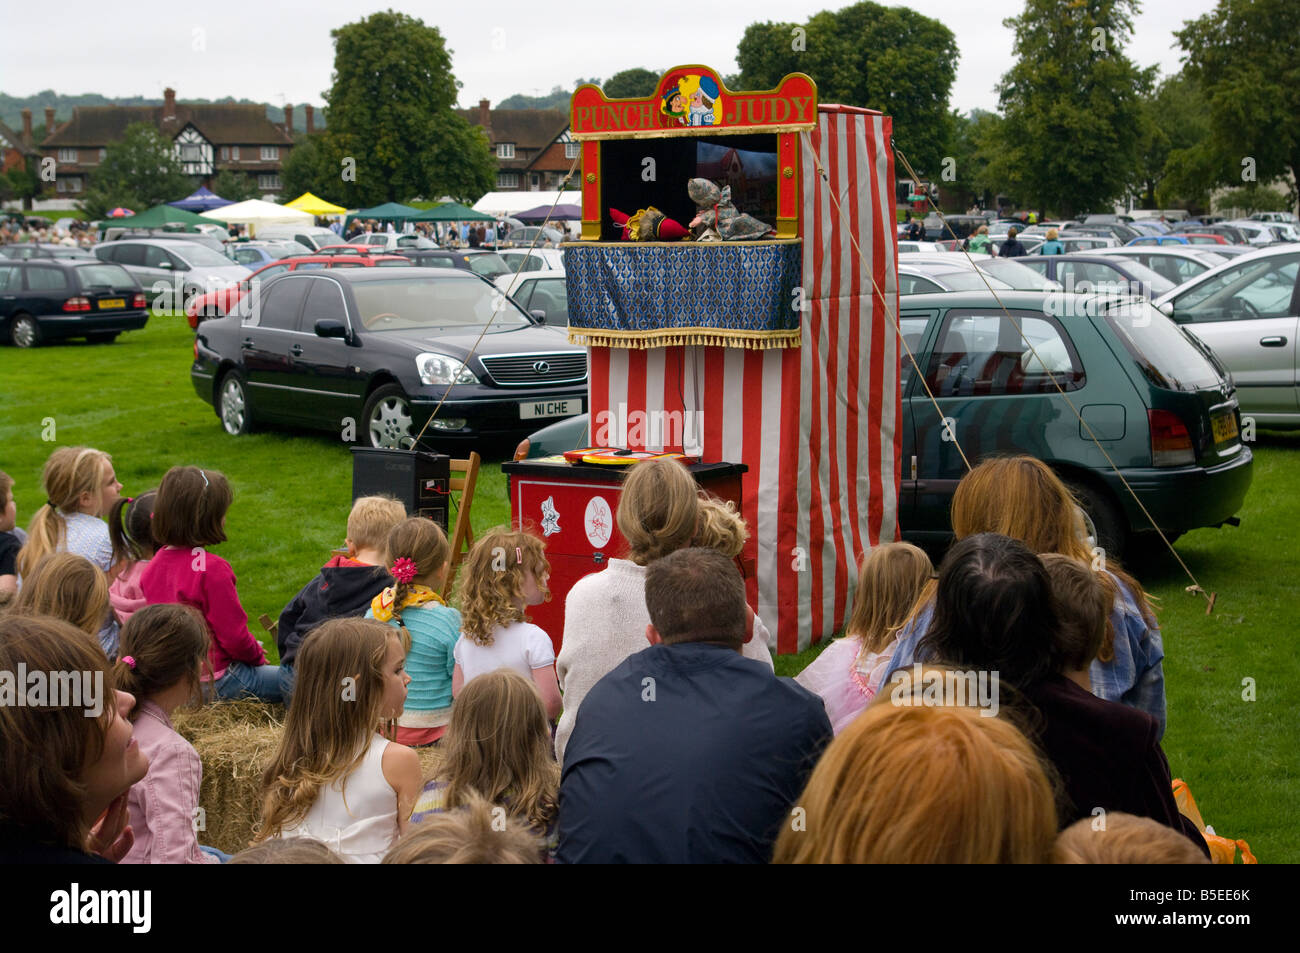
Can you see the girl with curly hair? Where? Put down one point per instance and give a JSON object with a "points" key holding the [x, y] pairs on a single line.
{"points": [[504, 573]]}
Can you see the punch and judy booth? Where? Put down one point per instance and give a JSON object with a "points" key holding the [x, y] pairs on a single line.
{"points": [[736, 287]]}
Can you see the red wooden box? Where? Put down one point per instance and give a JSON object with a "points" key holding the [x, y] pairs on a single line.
{"points": [[572, 507]]}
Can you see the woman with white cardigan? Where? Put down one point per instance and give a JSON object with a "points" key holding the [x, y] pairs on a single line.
{"points": [[605, 615]]}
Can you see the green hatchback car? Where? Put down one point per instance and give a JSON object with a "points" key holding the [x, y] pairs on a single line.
{"points": [[1152, 396]]}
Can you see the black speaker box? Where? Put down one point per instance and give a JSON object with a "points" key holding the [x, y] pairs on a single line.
{"points": [[420, 480]]}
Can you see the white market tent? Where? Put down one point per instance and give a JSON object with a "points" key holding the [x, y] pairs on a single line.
{"points": [[508, 203], [255, 212]]}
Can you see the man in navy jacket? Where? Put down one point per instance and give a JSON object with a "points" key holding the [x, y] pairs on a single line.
{"points": [[688, 752]]}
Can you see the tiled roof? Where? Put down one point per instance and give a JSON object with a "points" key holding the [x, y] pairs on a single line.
{"points": [[526, 128], [221, 124], [15, 141]]}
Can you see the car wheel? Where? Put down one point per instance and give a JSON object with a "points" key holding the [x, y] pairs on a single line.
{"points": [[233, 407], [103, 337], [24, 331], [1109, 528], [387, 418]]}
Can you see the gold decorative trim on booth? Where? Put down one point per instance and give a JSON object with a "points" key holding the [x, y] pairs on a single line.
{"points": [[692, 131], [684, 242], [689, 337]]}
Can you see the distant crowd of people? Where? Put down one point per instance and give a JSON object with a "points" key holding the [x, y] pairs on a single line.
{"points": [[15, 231]]}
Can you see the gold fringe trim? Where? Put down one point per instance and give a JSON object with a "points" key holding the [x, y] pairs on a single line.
{"points": [[688, 337]]}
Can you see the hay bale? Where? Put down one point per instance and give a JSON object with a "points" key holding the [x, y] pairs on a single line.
{"points": [[235, 741]]}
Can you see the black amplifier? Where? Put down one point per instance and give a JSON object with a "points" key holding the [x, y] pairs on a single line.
{"points": [[420, 480]]}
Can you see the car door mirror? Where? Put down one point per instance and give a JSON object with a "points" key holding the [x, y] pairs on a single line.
{"points": [[165, 264], [1166, 308], [330, 328], [538, 315]]}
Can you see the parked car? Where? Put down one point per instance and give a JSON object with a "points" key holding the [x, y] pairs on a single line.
{"points": [[26, 250], [209, 239], [1264, 233], [1088, 243], [486, 264], [382, 348], [1168, 417], [1085, 273], [1233, 235], [258, 253], [906, 247], [45, 299], [172, 271], [539, 259], [1177, 263], [951, 226], [311, 236], [543, 294], [222, 301], [924, 279], [1247, 311], [1275, 217], [1031, 242], [1007, 270], [349, 249], [1184, 238], [392, 242], [523, 237]]}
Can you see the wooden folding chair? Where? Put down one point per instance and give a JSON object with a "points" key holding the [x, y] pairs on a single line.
{"points": [[462, 535]]}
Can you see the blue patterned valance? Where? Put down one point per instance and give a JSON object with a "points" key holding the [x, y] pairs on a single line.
{"points": [[642, 294]]}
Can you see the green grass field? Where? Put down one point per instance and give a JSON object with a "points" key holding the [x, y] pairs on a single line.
{"points": [[134, 400]]}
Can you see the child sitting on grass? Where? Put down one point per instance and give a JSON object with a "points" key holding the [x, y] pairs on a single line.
{"points": [[164, 648], [334, 777], [345, 585], [498, 747], [418, 554], [68, 587], [189, 514], [504, 573], [848, 673], [130, 529], [80, 490], [10, 541]]}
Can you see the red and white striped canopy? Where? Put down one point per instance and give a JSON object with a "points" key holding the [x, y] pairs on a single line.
{"points": [[819, 426]]}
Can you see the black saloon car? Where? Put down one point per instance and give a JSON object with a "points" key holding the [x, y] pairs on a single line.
{"points": [[368, 354], [44, 299]]}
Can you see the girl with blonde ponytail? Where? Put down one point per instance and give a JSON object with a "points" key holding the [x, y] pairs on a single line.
{"points": [[80, 490]]}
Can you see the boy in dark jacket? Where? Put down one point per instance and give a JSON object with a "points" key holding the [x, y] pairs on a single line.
{"points": [[345, 584]]}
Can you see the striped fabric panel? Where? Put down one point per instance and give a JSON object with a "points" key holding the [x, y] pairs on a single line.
{"points": [[818, 426]]}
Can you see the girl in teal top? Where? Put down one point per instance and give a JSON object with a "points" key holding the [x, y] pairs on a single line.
{"points": [[418, 554]]}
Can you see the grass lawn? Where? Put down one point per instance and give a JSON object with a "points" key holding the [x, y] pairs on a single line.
{"points": [[134, 400]]}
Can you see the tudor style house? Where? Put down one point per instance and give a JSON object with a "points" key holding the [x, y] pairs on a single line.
{"points": [[208, 138], [533, 148]]}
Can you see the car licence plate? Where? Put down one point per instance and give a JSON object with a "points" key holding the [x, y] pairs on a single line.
{"points": [[106, 303], [1225, 427], [550, 408]]}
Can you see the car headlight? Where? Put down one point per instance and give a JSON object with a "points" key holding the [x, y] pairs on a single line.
{"points": [[441, 369]]}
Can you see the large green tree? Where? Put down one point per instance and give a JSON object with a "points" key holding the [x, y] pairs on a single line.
{"points": [[392, 130], [311, 168], [1174, 143], [1071, 105], [1244, 55], [138, 172], [236, 186], [887, 58], [635, 83]]}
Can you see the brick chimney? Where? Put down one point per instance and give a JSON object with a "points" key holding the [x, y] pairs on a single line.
{"points": [[49, 119], [311, 118], [288, 118], [485, 117], [169, 103], [27, 127]]}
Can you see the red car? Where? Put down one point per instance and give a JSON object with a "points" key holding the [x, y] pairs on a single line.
{"points": [[216, 304]]}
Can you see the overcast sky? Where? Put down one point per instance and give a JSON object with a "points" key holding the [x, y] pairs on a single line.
{"points": [[278, 53]]}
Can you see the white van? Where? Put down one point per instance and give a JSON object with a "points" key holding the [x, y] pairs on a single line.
{"points": [[312, 236]]}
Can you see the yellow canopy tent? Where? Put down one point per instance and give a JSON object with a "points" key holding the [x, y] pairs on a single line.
{"points": [[315, 206]]}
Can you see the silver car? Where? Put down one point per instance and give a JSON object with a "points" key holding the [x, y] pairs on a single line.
{"points": [[170, 270], [1248, 311], [1178, 263]]}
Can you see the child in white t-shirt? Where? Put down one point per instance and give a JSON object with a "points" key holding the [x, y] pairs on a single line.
{"points": [[504, 573]]}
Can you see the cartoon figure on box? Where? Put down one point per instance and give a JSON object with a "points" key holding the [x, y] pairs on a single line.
{"points": [[693, 101]]}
